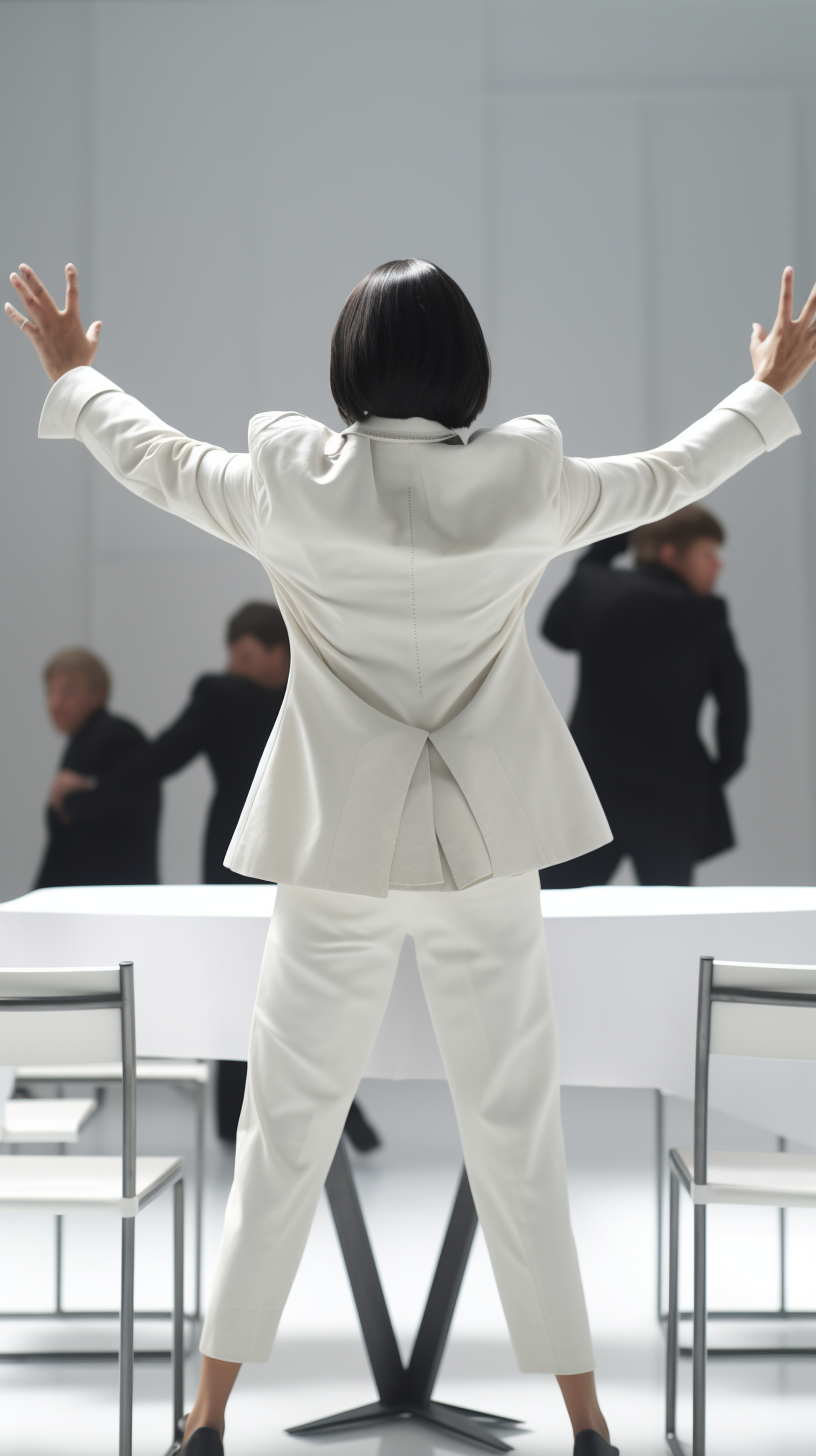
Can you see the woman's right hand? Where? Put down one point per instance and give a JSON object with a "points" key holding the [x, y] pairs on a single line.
{"points": [[56, 333], [783, 357]]}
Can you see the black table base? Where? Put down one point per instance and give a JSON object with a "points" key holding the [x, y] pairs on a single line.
{"points": [[404, 1392]]}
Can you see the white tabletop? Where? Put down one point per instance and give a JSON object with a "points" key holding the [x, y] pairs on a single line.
{"points": [[624, 963]]}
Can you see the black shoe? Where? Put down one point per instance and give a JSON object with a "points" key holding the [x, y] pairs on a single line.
{"points": [[204, 1442], [589, 1443], [360, 1133]]}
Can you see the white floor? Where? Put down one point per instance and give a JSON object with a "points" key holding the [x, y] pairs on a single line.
{"points": [[319, 1365]]}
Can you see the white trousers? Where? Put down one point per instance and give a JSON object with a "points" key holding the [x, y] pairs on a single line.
{"points": [[327, 972]]}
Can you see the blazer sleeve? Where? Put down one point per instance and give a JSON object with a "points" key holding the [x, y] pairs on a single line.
{"points": [[730, 690], [169, 752], [602, 497], [209, 487]]}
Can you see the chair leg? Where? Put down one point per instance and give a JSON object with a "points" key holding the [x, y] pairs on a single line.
{"points": [[58, 1264], [126, 1338], [673, 1321], [201, 1110], [660, 1161], [178, 1305], [58, 1253], [700, 1319]]}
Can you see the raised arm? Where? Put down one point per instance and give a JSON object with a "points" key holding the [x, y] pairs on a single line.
{"points": [[599, 498], [212, 488]]}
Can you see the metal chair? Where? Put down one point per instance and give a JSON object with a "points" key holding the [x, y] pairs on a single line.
{"points": [[188, 1077], [743, 1010], [55, 1016], [57, 1121]]}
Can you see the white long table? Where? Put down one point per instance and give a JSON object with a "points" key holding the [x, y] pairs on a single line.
{"points": [[624, 963]]}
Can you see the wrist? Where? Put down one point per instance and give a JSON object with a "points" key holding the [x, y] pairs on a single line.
{"points": [[58, 371], [772, 378]]}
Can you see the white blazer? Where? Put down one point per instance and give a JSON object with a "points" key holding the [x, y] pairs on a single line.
{"points": [[402, 556]]}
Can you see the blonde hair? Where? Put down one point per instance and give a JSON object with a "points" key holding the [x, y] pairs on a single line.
{"points": [[78, 659]]}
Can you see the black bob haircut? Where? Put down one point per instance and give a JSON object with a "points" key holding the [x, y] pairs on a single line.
{"points": [[408, 343]]}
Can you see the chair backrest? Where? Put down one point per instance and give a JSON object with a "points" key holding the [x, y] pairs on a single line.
{"points": [[55, 1015], [749, 1010]]}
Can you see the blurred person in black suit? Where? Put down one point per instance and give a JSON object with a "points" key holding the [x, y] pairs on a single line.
{"points": [[654, 643], [229, 718], [111, 843]]}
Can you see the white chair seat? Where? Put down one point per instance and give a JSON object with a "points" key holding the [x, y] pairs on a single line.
{"points": [[159, 1071], [781, 1180], [45, 1119], [72, 1185], [146, 1071]]}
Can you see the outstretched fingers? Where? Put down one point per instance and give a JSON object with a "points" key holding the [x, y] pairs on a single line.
{"points": [[57, 334], [71, 289], [21, 321], [785, 311], [808, 314], [40, 292], [23, 291]]}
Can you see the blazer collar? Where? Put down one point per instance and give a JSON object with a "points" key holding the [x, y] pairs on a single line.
{"points": [[411, 431]]}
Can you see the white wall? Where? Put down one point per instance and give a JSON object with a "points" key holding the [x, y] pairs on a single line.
{"points": [[617, 186]]}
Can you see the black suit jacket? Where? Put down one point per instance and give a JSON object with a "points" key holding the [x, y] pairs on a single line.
{"points": [[229, 719], [651, 651], [110, 843]]}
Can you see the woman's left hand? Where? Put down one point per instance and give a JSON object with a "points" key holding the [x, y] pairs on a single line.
{"points": [[57, 334]]}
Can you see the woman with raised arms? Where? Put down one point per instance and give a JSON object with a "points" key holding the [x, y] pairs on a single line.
{"points": [[419, 775]]}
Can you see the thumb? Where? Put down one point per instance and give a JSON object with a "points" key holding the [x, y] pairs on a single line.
{"points": [[758, 334], [94, 331]]}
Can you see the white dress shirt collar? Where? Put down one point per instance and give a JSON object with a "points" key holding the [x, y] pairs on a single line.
{"points": [[410, 431]]}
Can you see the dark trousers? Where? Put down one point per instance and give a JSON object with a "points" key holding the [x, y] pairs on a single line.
{"points": [[231, 1083], [231, 1077], [655, 865]]}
